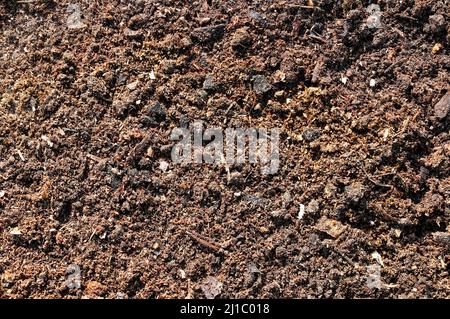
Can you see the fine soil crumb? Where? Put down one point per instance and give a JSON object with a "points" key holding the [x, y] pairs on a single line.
{"points": [[92, 205]]}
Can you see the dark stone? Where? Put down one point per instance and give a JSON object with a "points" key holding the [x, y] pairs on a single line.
{"points": [[241, 39], [157, 111], [154, 115], [209, 33]]}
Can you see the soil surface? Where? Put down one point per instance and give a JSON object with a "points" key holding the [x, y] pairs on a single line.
{"points": [[89, 94]]}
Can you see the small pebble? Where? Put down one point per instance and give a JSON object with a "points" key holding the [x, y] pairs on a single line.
{"points": [[132, 86], [209, 84], [74, 20], [163, 166], [241, 39], [261, 85], [211, 287], [310, 135], [374, 19], [313, 207]]}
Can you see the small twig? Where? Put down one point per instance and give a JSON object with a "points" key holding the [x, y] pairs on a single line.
{"points": [[94, 158], [394, 64], [399, 32], [249, 174], [315, 37], [294, 6], [374, 181], [384, 174], [227, 168], [204, 241], [405, 17], [20, 155], [406, 123], [92, 235], [298, 6]]}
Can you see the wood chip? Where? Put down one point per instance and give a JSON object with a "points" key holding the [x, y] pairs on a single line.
{"points": [[442, 108], [15, 232], [331, 227], [204, 241]]}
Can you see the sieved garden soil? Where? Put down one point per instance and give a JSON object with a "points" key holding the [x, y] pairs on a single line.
{"points": [[90, 94]]}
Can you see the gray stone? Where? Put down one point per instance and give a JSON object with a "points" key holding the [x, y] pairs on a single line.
{"points": [[310, 134], [261, 85], [209, 84]]}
